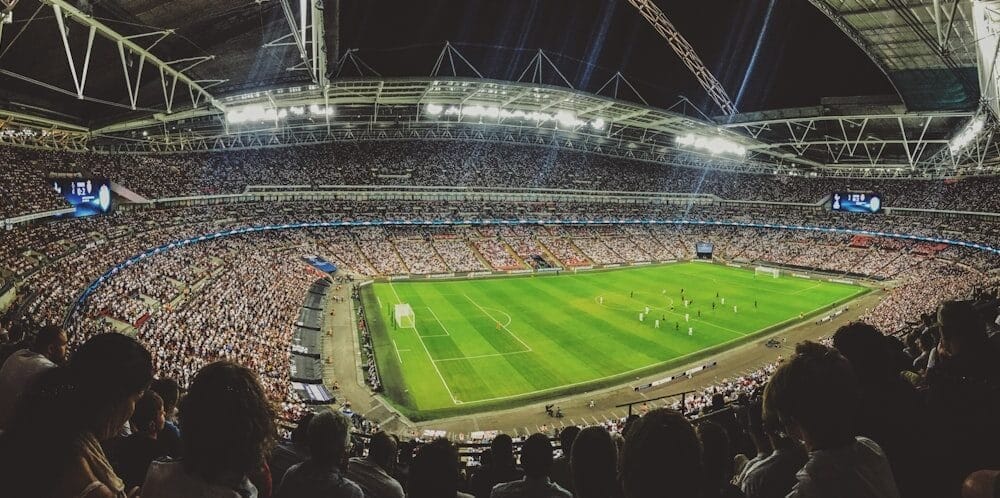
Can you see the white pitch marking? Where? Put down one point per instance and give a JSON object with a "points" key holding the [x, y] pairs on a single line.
{"points": [[480, 356], [428, 351], [397, 352], [439, 322], [501, 325]]}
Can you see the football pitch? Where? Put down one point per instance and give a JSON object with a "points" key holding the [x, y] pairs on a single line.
{"points": [[496, 343]]}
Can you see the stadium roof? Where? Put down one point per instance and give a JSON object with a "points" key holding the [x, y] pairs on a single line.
{"points": [[927, 48], [163, 68]]}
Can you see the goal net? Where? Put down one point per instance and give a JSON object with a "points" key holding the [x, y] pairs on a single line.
{"points": [[404, 316], [763, 270]]}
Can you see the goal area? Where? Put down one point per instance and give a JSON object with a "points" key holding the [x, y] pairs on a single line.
{"points": [[403, 314], [764, 270]]}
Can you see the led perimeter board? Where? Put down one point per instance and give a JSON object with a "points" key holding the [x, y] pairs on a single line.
{"points": [[856, 202], [88, 196]]}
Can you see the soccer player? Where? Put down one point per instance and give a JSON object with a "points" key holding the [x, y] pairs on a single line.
{"points": [[657, 324], [600, 299], [723, 301], [687, 317], [647, 310], [641, 316], [699, 313], [734, 308], [713, 305], [690, 330], [677, 326]]}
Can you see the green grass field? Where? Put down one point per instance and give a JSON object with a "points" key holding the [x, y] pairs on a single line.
{"points": [[493, 343]]}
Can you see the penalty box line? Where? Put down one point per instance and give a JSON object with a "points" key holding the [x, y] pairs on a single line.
{"points": [[512, 334]]}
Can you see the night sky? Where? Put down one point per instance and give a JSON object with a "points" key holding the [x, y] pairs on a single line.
{"points": [[768, 54]]}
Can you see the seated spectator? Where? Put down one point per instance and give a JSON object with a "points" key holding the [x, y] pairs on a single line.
{"points": [[169, 437], [661, 457], [814, 395], [755, 429], [536, 457], [982, 484], [373, 473], [963, 395], [288, 453], [133, 454], [501, 468], [594, 463], [774, 475], [52, 447], [561, 472], [717, 461], [228, 427], [434, 472], [322, 474], [48, 350], [889, 410]]}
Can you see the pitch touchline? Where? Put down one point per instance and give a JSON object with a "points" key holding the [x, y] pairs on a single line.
{"points": [[498, 322]]}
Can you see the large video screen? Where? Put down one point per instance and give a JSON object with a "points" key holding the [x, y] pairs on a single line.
{"points": [[856, 202], [89, 196], [704, 248]]}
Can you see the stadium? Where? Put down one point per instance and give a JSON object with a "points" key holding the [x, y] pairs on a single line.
{"points": [[530, 248]]}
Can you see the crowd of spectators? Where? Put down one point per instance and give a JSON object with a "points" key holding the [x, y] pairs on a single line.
{"points": [[845, 417]]}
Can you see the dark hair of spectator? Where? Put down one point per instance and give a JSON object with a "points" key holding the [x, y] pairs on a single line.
{"points": [[536, 456], [300, 434], [169, 392], [661, 457], [566, 438], [434, 471], [865, 347], [147, 410], [329, 437], [594, 462], [815, 391], [227, 422], [382, 450], [46, 336], [502, 448], [715, 454]]}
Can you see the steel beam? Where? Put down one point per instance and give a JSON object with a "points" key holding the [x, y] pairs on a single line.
{"points": [[63, 8]]}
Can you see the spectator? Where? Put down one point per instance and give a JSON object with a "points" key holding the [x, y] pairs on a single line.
{"points": [[594, 459], [322, 474], [755, 429], [661, 457], [500, 469], [373, 473], [434, 472], [775, 475], [889, 410], [169, 437], [536, 457], [228, 428], [963, 395], [814, 395], [53, 444], [133, 454], [288, 453], [48, 351], [717, 462], [562, 474]]}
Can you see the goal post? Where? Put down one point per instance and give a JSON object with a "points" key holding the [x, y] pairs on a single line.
{"points": [[403, 314], [764, 270]]}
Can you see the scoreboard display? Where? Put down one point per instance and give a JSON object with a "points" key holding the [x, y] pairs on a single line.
{"points": [[88, 196], [703, 250], [856, 202]]}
